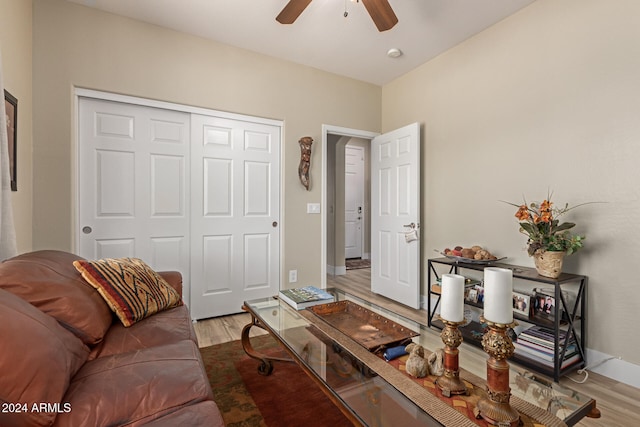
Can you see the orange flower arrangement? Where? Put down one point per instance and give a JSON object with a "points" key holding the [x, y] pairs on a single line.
{"points": [[540, 222]]}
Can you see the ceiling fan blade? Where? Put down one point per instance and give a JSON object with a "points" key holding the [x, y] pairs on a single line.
{"points": [[292, 10], [381, 13]]}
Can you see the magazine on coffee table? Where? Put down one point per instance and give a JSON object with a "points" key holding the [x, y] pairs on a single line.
{"points": [[301, 298]]}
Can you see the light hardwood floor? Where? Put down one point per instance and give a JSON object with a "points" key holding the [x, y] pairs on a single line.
{"points": [[619, 403]]}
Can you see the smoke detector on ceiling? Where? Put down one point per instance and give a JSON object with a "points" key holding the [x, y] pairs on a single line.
{"points": [[394, 52]]}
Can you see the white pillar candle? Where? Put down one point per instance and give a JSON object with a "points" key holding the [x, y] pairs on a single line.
{"points": [[452, 308], [498, 295]]}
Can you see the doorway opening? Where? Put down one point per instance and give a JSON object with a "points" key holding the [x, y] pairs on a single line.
{"points": [[395, 211], [346, 220]]}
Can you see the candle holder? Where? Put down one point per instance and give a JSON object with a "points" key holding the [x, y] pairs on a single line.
{"points": [[495, 408], [449, 382]]}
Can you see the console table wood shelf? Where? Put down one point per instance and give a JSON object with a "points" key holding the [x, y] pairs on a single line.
{"points": [[569, 316]]}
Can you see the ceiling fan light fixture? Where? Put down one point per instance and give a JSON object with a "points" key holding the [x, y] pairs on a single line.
{"points": [[380, 11], [394, 52]]}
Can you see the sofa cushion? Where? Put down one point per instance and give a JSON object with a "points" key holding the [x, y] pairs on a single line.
{"points": [[37, 360], [174, 278], [169, 326], [48, 280], [201, 414], [123, 389], [131, 288]]}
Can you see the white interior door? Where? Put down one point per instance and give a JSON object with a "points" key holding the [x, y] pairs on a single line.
{"points": [[132, 183], [235, 214], [395, 205], [353, 201]]}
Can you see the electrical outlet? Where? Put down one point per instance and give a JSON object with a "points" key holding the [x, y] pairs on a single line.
{"points": [[293, 276]]}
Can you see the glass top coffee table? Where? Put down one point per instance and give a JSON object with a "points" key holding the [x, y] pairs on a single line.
{"points": [[357, 383]]}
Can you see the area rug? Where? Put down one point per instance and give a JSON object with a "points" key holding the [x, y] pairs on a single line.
{"points": [[356, 263], [287, 397]]}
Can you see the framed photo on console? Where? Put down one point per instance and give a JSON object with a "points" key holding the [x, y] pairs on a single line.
{"points": [[521, 303], [472, 295], [544, 304], [480, 290]]}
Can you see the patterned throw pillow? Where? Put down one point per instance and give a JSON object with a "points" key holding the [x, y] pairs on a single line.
{"points": [[130, 287]]}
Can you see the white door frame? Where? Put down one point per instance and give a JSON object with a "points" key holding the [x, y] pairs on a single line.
{"points": [[108, 96], [342, 131]]}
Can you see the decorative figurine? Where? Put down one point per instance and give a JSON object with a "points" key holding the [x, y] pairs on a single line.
{"points": [[417, 366], [305, 160], [436, 362]]}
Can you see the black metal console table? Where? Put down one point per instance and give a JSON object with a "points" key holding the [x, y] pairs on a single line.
{"points": [[568, 319]]}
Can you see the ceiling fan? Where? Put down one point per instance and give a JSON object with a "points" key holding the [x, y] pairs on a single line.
{"points": [[380, 11]]}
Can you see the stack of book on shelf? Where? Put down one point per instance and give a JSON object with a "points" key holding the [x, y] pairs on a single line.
{"points": [[537, 343], [308, 296]]}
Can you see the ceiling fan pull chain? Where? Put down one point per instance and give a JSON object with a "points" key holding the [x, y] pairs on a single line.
{"points": [[346, 2]]}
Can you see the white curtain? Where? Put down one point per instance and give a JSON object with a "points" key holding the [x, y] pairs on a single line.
{"points": [[7, 229]]}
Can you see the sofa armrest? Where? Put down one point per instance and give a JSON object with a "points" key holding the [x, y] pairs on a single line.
{"points": [[174, 278]]}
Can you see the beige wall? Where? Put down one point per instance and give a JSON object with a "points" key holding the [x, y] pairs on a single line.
{"points": [[78, 46], [548, 99], [15, 45]]}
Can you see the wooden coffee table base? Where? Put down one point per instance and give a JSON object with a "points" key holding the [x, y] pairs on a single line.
{"points": [[266, 365]]}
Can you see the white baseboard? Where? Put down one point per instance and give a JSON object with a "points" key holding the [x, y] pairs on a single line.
{"points": [[423, 302], [339, 270], [615, 368]]}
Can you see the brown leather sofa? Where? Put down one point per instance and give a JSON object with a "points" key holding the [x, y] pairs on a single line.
{"points": [[65, 360]]}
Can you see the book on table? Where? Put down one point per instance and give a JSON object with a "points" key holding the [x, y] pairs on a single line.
{"points": [[300, 298]]}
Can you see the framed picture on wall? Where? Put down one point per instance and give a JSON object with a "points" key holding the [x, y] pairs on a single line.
{"points": [[11, 109]]}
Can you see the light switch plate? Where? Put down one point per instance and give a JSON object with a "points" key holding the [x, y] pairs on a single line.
{"points": [[313, 208]]}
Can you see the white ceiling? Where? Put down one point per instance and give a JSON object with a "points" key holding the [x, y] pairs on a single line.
{"points": [[322, 37]]}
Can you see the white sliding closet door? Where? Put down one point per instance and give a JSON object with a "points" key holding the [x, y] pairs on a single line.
{"points": [[183, 191], [235, 182], [133, 184]]}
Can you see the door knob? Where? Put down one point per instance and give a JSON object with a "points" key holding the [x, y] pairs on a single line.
{"points": [[274, 224], [87, 230]]}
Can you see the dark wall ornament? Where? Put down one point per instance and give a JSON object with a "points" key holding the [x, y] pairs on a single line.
{"points": [[11, 109], [305, 160]]}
